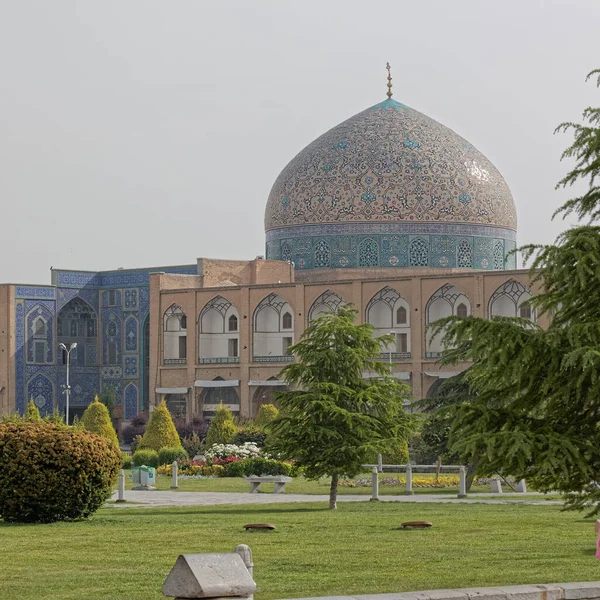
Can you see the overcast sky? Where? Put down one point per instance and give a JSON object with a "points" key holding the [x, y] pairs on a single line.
{"points": [[148, 133]]}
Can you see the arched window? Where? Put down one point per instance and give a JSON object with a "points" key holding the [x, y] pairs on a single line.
{"points": [[39, 327], [175, 339], [286, 321], [401, 315], [525, 311], [270, 342], [233, 323], [461, 311], [327, 302]]}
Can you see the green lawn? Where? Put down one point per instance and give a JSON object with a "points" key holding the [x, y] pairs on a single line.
{"points": [[299, 485], [126, 553]]}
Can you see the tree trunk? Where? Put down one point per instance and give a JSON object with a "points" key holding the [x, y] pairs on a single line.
{"points": [[333, 491], [471, 468]]}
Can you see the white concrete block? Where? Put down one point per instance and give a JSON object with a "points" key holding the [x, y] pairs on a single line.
{"points": [[209, 576], [585, 589]]}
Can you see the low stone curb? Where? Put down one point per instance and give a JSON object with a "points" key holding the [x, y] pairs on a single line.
{"points": [[588, 590]]}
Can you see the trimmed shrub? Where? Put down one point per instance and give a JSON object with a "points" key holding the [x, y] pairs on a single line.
{"points": [[258, 466], [50, 472], [266, 413], [192, 444], [126, 461], [222, 428], [148, 458], [160, 432], [32, 413], [166, 456], [136, 427], [250, 434], [96, 419]]}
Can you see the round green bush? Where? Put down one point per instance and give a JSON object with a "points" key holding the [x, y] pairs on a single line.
{"points": [[166, 456], [149, 458], [249, 434], [50, 472]]}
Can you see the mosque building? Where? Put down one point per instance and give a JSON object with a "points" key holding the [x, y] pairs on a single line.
{"points": [[389, 211]]}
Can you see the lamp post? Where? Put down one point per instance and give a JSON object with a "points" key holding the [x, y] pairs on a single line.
{"points": [[68, 387]]}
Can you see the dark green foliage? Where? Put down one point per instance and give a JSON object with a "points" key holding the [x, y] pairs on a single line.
{"points": [[135, 443], [145, 457], [192, 444], [334, 419], [250, 434], [167, 456], [258, 466], [50, 472], [535, 393]]}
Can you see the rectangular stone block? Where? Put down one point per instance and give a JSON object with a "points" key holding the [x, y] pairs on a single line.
{"points": [[209, 576], [585, 589], [533, 592]]}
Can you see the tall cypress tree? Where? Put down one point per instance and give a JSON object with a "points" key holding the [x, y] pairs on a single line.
{"points": [[535, 393]]}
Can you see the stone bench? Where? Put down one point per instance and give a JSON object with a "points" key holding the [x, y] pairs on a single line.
{"points": [[278, 480]]}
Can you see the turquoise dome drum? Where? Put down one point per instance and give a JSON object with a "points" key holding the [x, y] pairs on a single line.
{"points": [[391, 187]]}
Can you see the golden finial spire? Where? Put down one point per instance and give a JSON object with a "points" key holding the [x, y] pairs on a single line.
{"points": [[389, 84]]}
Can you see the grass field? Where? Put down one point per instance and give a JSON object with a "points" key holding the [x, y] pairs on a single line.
{"points": [[126, 553], [300, 485]]}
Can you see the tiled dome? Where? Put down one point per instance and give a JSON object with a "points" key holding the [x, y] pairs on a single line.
{"points": [[390, 175]]}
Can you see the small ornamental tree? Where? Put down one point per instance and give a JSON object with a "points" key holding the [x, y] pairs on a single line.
{"points": [[334, 419], [50, 472], [266, 413], [222, 428], [31, 412], [96, 419], [160, 432]]}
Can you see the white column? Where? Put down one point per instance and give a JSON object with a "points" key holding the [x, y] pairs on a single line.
{"points": [[374, 484]]}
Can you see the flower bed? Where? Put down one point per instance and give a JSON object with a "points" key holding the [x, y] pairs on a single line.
{"points": [[222, 451], [444, 481]]}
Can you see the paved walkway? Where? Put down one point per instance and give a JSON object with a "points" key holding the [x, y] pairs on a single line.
{"points": [[160, 499]]}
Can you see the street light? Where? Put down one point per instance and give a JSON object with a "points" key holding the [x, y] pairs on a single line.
{"points": [[67, 391]]}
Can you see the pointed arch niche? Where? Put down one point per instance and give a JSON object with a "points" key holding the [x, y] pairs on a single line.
{"points": [[175, 336], [389, 313], [511, 299], [327, 302], [77, 322], [219, 332], [446, 302], [273, 330]]}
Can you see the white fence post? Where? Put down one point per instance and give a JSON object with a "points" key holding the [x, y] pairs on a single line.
{"points": [[121, 496], [380, 463], [374, 484], [175, 480], [462, 483], [409, 484]]}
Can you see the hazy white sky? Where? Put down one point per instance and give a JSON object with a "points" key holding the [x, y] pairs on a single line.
{"points": [[146, 133]]}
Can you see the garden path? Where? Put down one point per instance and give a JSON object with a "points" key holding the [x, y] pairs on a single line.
{"points": [[157, 498]]}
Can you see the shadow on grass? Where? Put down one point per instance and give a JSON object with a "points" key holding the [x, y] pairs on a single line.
{"points": [[227, 510]]}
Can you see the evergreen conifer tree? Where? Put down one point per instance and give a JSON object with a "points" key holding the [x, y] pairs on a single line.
{"points": [[333, 419], [160, 431], [222, 427], [32, 413], [535, 393], [97, 420]]}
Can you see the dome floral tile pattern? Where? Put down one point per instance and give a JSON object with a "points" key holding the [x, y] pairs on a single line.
{"points": [[388, 164]]}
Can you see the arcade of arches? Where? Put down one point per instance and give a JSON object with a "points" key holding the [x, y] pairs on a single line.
{"points": [[244, 333]]}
